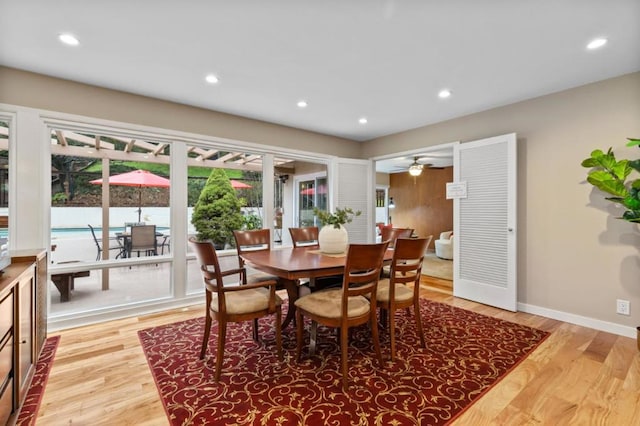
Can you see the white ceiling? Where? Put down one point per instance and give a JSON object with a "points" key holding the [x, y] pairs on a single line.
{"points": [[385, 60]]}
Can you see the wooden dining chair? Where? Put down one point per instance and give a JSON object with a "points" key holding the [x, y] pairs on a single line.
{"points": [[304, 237], [391, 235], [308, 237], [250, 241], [347, 306], [233, 303], [393, 292]]}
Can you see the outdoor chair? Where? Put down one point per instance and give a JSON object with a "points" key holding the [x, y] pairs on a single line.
{"points": [[347, 306], [393, 293], [164, 241], [143, 239], [117, 247], [233, 303]]}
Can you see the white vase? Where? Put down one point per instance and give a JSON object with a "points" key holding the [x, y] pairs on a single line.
{"points": [[333, 240]]}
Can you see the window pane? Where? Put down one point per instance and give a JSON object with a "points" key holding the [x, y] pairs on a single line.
{"points": [[225, 194], [136, 192]]}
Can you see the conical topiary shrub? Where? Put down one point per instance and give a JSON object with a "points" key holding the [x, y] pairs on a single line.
{"points": [[217, 213]]}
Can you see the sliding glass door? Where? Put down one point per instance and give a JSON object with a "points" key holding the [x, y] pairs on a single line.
{"points": [[311, 192]]}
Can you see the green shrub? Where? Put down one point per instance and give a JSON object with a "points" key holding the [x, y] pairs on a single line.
{"points": [[217, 213]]}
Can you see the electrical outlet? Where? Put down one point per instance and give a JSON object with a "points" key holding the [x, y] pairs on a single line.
{"points": [[622, 307]]}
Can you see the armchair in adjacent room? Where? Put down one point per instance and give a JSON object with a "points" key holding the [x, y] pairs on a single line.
{"points": [[444, 245]]}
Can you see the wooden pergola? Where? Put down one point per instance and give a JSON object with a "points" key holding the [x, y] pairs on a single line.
{"points": [[100, 147]]}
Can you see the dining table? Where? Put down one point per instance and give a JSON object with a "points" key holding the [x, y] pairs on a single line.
{"points": [[292, 264]]}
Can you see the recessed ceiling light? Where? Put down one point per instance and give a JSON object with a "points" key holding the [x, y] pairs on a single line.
{"points": [[444, 93], [212, 79], [362, 120], [69, 39], [596, 43], [302, 104]]}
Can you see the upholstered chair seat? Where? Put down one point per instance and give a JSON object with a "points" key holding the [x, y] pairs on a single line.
{"points": [[402, 292], [245, 301], [328, 303]]}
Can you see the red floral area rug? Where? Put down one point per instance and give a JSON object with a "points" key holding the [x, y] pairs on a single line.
{"points": [[466, 354], [29, 410]]}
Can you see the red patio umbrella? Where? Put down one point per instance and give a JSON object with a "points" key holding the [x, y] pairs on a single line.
{"points": [[139, 179], [322, 189], [239, 185]]}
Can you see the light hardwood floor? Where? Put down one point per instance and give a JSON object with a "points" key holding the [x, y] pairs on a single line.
{"points": [[578, 376]]}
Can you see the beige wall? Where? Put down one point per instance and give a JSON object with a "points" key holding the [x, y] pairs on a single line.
{"points": [[573, 255], [382, 179], [38, 91]]}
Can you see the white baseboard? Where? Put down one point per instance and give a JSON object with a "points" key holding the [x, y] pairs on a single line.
{"points": [[609, 327]]}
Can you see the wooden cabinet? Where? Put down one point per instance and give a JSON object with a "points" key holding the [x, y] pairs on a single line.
{"points": [[22, 327]]}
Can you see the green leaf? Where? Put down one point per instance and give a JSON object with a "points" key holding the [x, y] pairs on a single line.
{"points": [[621, 169], [605, 182], [589, 162], [632, 203], [632, 215], [635, 164], [633, 142]]}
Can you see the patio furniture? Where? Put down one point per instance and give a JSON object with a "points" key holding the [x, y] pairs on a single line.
{"points": [[233, 303], [64, 282], [119, 247], [139, 179], [143, 239], [164, 241], [346, 307]]}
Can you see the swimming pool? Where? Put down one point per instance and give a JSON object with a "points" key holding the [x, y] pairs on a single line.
{"points": [[73, 233], [85, 232]]}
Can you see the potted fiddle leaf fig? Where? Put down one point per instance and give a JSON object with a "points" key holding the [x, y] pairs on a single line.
{"points": [[333, 236], [612, 176]]}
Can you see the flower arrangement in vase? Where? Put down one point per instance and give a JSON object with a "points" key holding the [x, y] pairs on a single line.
{"points": [[333, 237]]}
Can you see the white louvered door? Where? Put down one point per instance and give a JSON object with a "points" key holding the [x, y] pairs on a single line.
{"points": [[485, 244], [352, 182]]}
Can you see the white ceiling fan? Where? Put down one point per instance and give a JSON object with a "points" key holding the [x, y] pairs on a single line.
{"points": [[416, 166]]}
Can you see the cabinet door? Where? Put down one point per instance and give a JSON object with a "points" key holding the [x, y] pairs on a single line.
{"points": [[41, 303], [26, 331]]}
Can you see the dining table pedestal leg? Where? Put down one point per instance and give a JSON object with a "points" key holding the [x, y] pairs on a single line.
{"points": [[293, 293]]}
